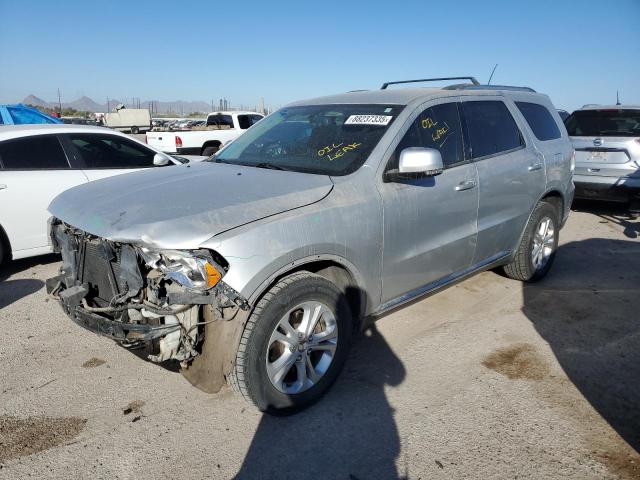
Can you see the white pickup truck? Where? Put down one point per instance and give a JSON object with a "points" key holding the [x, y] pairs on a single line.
{"points": [[221, 128]]}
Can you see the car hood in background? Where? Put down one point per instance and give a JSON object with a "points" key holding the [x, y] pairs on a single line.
{"points": [[183, 206]]}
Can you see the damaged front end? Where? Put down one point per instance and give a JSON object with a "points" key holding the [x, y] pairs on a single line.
{"points": [[141, 297]]}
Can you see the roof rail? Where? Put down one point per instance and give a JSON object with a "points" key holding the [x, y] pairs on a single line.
{"points": [[466, 86], [471, 79]]}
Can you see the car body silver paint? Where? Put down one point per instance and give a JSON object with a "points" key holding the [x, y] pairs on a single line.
{"points": [[183, 208], [272, 221]]}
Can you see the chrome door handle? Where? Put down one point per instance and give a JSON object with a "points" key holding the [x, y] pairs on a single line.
{"points": [[535, 166], [593, 170], [467, 185], [2, 186]]}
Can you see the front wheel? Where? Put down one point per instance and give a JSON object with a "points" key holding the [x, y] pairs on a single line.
{"points": [[294, 344], [538, 246]]}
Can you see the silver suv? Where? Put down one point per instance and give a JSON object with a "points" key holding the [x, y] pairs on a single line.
{"points": [[607, 143], [256, 267]]}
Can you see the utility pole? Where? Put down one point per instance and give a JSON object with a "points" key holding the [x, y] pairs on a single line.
{"points": [[262, 105], [618, 98], [59, 103]]}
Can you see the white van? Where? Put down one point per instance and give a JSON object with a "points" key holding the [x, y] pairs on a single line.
{"points": [[132, 120]]}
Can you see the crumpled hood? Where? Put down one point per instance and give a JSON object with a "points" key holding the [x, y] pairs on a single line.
{"points": [[183, 206]]}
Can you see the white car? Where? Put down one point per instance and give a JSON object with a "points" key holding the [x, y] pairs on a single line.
{"points": [[37, 162], [221, 128]]}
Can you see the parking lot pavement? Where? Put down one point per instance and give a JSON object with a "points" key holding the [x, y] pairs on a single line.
{"points": [[488, 379]]}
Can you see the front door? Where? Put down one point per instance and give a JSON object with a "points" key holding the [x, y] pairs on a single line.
{"points": [[429, 222]]}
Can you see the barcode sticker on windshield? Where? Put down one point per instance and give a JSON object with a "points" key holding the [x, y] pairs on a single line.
{"points": [[368, 120]]}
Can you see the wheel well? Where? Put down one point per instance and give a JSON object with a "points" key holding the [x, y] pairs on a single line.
{"points": [[4, 243], [556, 199], [340, 277], [210, 143]]}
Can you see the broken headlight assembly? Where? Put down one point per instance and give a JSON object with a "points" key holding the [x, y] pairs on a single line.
{"points": [[195, 270]]}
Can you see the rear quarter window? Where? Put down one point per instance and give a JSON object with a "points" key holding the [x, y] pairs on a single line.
{"points": [[38, 152], [539, 120]]}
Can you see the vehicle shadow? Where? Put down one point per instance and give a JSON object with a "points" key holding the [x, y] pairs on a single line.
{"points": [[16, 266], [350, 434], [587, 310], [616, 213], [13, 290]]}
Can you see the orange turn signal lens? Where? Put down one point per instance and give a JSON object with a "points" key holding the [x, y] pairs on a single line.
{"points": [[213, 275]]}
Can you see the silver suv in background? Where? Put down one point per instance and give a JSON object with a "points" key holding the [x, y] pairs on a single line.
{"points": [[256, 266], [607, 144]]}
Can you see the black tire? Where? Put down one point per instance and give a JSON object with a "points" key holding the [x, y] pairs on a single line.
{"points": [[134, 130], [522, 266], [249, 376], [1, 251], [210, 150]]}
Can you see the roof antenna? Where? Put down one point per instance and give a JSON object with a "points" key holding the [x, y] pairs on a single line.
{"points": [[492, 72], [618, 98]]}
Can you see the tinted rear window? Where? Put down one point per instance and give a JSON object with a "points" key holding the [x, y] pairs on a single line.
{"points": [[491, 128], [540, 120], [220, 120], [42, 152], [602, 123]]}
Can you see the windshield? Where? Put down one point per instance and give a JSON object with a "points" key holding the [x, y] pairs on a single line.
{"points": [[600, 123], [321, 139]]}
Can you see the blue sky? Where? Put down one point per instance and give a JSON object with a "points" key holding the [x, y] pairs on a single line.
{"points": [[578, 51]]}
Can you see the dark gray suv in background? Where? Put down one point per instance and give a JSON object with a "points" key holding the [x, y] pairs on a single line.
{"points": [[256, 266]]}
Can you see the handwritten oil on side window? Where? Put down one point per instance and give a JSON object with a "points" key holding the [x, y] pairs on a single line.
{"points": [[436, 127]]}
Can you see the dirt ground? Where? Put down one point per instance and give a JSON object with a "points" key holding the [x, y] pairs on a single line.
{"points": [[488, 379]]}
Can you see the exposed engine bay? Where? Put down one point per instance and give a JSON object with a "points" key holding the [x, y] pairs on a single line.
{"points": [[141, 297]]}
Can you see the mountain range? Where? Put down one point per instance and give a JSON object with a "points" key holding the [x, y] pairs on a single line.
{"points": [[87, 104]]}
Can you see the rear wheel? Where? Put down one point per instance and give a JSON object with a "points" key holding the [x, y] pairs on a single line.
{"points": [[294, 344], [210, 150], [538, 246], [134, 130]]}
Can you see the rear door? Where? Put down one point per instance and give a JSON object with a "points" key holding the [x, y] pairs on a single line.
{"points": [[550, 138], [103, 155], [511, 174], [33, 170]]}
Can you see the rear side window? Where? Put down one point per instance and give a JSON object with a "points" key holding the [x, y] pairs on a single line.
{"points": [[220, 120], [41, 152], [492, 129], [540, 120], [111, 151], [436, 127], [245, 121]]}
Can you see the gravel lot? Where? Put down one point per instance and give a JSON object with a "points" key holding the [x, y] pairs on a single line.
{"points": [[488, 379]]}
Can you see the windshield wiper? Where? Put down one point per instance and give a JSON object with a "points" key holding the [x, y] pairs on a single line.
{"points": [[271, 166]]}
